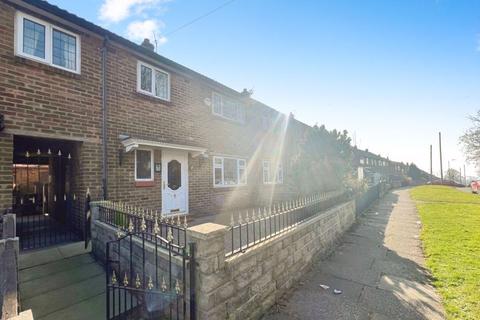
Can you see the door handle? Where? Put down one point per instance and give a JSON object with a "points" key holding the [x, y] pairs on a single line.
{"points": [[163, 185]]}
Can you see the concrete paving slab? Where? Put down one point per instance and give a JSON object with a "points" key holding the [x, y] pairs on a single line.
{"points": [[420, 296], [35, 258], [62, 298], [92, 309], [385, 302], [59, 280], [54, 267], [62, 283]]}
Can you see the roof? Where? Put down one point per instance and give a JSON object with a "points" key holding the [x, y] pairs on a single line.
{"points": [[64, 14]]}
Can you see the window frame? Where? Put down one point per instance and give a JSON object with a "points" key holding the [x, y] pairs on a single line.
{"points": [[222, 167], [221, 115], [48, 60], [276, 173], [154, 72], [152, 169]]}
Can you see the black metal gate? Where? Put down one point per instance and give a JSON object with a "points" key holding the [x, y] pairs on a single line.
{"points": [[47, 210], [149, 277]]}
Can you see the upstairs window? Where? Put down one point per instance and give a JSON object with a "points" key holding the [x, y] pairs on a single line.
{"points": [[229, 172], [227, 108], [153, 81], [46, 43], [272, 175]]}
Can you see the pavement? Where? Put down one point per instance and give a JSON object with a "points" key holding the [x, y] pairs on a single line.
{"points": [[378, 267], [62, 282]]}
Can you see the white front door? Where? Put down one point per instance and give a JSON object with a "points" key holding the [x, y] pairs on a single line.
{"points": [[174, 182]]}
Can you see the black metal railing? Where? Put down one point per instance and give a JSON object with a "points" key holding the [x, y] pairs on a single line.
{"points": [[365, 199], [130, 219], [254, 226]]}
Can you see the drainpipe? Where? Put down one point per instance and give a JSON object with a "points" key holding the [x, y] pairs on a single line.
{"points": [[104, 118]]}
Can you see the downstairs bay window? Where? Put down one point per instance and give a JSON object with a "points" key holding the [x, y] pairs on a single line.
{"points": [[229, 172]]}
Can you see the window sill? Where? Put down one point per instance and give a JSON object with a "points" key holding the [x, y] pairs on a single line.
{"points": [[144, 183], [225, 119], [46, 67], [167, 103], [229, 186]]}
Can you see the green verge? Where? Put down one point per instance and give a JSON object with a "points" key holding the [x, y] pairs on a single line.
{"points": [[451, 240]]}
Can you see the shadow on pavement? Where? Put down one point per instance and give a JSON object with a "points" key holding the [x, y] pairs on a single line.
{"points": [[379, 267]]}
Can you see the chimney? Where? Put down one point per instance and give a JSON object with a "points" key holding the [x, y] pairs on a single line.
{"points": [[247, 93], [147, 45]]}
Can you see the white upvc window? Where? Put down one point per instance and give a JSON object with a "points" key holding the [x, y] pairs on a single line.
{"points": [[229, 172], [46, 43], [143, 165], [362, 161], [227, 108], [153, 81], [272, 175]]}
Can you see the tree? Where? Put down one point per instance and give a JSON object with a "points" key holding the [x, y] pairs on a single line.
{"points": [[453, 175], [471, 140], [414, 172], [323, 161]]}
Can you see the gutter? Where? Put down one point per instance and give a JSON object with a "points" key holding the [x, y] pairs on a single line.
{"points": [[104, 119]]}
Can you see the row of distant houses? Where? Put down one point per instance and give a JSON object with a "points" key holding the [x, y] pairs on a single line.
{"points": [[375, 168], [85, 109]]}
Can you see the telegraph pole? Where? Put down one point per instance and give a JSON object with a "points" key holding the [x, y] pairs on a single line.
{"points": [[431, 172], [440, 148]]}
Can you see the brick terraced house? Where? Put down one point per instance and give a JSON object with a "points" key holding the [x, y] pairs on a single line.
{"points": [[85, 109]]}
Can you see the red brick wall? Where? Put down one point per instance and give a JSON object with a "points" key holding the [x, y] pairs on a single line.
{"points": [[42, 100]]}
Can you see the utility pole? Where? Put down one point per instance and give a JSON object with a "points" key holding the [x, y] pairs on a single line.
{"points": [[465, 175], [431, 173], [440, 148], [460, 179]]}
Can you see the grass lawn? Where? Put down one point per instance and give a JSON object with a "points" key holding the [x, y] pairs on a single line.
{"points": [[451, 240]]}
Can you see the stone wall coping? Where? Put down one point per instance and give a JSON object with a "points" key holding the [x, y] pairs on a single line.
{"points": [[207, 230], [273, 240], [176, 258]]}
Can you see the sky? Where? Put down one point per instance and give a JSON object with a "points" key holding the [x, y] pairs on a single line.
{"points": [[392, 73]]}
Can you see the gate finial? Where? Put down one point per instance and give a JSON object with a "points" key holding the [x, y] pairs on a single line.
{"points": [[130, 226], [150, 283], [156, 228], [143, 225], [164, 284], [125, 280], [178, 290], [138, 283], [114, 278]]}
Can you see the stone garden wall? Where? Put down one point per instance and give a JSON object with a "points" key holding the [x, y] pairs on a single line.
{"points": [[246, 285]]}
